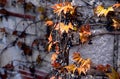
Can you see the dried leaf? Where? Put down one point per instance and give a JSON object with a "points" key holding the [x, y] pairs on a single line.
{"points": [[49, 46], [35, 42], [76, 57], [84, 33], [71, 68], [49, 23], [2, 30], [50, 38], [85, 66], [101, 11], [113, 74], [64, 7], [38, 59], [103, 68], [41, 9], [64, 28], [29, 6], [54, 57], [56, 65], [116, 23], [3, 3], [117, 5]]}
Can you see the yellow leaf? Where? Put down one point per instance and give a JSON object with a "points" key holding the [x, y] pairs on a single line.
{"points": [[85, 66], [71, 68], [49, 46], [64, 28], [41, 9], [101, 11], [64, 7], [113, 74], [116, 23], [84, 33], [76, 57]]}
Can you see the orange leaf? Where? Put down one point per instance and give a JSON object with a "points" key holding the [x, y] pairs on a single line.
{"points": [[116, 5], [116, 23], [64, 28], [84, 33], [76, 57], [64, 7], [54, 57], [85, 66], [103, 68], [55, 65], [50, 38], [71, 68], [49, 46], [49, 23]]}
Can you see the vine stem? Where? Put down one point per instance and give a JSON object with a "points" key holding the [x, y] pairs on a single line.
{"points": [[109, 33]]}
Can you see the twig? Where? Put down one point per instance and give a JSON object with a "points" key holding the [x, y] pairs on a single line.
{"points": [[5, 12]]}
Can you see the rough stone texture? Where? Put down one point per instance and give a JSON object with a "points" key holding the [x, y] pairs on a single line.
{"points": [[101, 51]]}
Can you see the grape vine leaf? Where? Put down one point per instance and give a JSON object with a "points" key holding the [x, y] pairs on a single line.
{"points": [[76, 57], [101, 11], [84, 33], [71, 68], [113, 74], [64, 7], [63, 27], [117, 5], [116, 23], [85, 66]]}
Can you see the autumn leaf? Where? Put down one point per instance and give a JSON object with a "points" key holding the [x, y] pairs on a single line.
{"points": [[71, 68], [76, 57], [54, 57], [56, 65], [64, 28], [85, 66], [2, 30], [38, 59], [64, 7], [116, 23], [117, 5], [41, 9], [49, 23], [101, 11], [50, 38], [49, 46], [84, 33], [113, 74], [103, 68]]}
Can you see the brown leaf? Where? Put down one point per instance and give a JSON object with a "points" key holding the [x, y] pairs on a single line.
{"points": [[56, 65], [38, 60], [35, 42], [2, 30], [49, 46], [113, 74], [103, 68], [84, 33], [3, 3]]}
